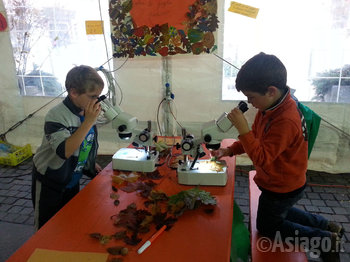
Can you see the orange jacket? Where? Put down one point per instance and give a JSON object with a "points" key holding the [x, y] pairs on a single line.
{"points": [[277, 145]]}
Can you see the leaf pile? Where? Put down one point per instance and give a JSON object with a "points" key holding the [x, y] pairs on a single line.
{"points": [[144, 188], [155, 175], [161, 210], [133, 220]]}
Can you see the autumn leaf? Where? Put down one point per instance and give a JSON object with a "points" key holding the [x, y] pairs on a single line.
{"points": [[118, 250], [189, 200], [133, 240], [119, 235], [114, 196], [131, 218], [151, 175], [144, 188]]}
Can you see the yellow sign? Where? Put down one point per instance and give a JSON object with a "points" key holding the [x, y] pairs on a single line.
{"points": [[94, 27], [243, 9]]}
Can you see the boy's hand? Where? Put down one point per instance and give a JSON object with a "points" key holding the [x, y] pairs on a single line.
{"points": [[92, 111], [221, 152], [239, 121]]}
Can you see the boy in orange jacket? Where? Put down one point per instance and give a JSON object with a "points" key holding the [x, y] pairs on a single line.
{"points": [[277, 145]]}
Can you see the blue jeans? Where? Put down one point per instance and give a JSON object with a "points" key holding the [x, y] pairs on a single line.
{"points": [[278, 214]]}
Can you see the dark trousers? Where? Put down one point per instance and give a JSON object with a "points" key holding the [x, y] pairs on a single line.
{"points": [[50, 201], [278, 214]]}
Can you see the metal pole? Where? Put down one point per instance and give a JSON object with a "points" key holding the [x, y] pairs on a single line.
{"points": [[166, 83]]}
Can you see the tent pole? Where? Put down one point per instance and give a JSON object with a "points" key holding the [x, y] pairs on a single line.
{"points": [[168, 119]]}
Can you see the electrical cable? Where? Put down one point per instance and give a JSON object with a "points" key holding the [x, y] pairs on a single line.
{"points": [[109, 76], [104, 35], [120, 66], [121, 92], [159, 129], [3, 136], [174, 116]]}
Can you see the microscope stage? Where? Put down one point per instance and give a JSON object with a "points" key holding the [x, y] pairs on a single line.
{"points": [[203, 174], [132, 159]]}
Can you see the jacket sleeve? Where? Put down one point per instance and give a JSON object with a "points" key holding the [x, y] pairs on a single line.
{"points": [[236, 148], [56, 134], [277, 139]]}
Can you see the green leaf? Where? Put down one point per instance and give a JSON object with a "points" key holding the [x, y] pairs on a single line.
{"points": [[189, 200]]}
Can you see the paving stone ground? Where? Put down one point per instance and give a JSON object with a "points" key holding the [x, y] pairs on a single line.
{"points": [[326, 195]]}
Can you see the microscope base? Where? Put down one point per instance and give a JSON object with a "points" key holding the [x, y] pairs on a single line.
{"points": [[132, 159], [201, 175]]}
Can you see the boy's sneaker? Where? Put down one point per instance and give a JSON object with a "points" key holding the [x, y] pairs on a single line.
{"points": [[332, 255], [335, 228]]}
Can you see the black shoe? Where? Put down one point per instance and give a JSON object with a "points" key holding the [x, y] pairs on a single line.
{"points": [[332, 255], [335, 228]]}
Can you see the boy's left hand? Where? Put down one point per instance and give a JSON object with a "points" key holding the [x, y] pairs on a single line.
{"points": [[239, 121]]}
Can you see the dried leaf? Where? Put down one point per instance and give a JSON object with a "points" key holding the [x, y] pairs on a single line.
{"points": [[122, 178], [105, 239], [152, 175], [158, 196], [133, 241], [118, 250], [95, 235], [144, 188], [114, 195], [131, 218], [120, 235]]}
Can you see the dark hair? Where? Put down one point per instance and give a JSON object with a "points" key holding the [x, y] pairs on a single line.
{"points": [[260, 72], [83, 79]]}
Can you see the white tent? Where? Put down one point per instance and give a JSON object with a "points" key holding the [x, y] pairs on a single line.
{"points": [[196, 82]]}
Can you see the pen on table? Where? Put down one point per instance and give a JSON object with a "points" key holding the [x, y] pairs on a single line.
{"points": [[150, 241]]}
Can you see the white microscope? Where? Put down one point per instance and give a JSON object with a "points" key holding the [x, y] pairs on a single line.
{"points": [[141, 159], [205, 172]]}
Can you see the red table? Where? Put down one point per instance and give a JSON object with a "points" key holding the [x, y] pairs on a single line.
{"points": [[196, 236]]}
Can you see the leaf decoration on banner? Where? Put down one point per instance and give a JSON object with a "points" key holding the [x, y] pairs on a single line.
{"points": [[130, 39]]}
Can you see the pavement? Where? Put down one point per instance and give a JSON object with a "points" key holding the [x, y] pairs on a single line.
{"points": [[327, 195]]}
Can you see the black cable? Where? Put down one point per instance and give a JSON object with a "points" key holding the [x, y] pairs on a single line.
{"points": [[225, 61], [3, 136], [335, 127]]}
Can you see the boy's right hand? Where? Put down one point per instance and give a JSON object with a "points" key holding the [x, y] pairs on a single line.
{"points": [[92, 111], [221, 152]]}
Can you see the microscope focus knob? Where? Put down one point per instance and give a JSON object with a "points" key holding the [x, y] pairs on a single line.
{"points": [[187, 145], [144, 136]]}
